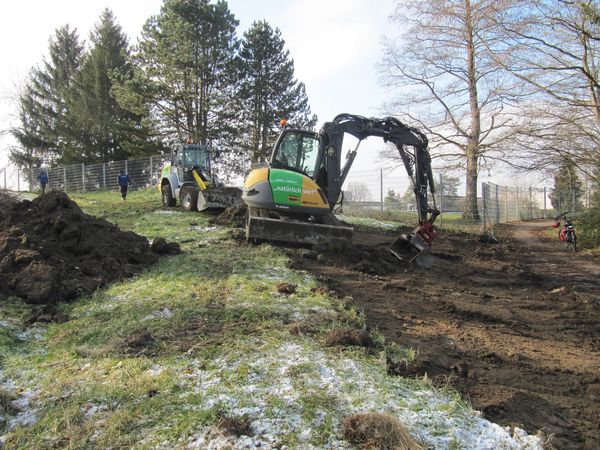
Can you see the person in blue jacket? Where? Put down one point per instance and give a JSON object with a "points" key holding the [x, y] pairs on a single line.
{"points": [[43, 177], [124, 182]]}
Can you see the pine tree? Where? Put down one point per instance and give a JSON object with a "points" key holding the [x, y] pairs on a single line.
{"points": [[568, 191], [185, 61], [104, 130], [269, 92], [42, 107]]}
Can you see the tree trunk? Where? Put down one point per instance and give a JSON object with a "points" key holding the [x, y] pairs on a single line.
{"points": [[470, 210], [472, 148]]}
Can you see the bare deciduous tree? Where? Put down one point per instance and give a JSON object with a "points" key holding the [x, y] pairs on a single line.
{"points": [[555, 54], [445, 80], [359, 192]]}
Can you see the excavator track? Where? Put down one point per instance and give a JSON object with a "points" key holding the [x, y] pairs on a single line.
{"points": [[269, 225]]}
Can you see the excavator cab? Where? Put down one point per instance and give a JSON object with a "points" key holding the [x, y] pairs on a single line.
{"points": [[296, 150]]}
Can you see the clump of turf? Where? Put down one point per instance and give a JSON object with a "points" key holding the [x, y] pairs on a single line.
{"points": [[348, 337], [378, 431]]}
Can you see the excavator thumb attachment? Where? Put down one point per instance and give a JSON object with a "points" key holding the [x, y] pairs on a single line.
{"points": [[214, 198], [415, 246]]}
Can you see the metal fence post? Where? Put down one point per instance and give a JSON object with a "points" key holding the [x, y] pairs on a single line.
{"points": [[104, 175], [125, 166], [18, 180], [518, 209], [441, 200], [83, 177], [484, 200], [505, 203], [152, 170], [65, 177], [530, 204], [5, 178], [381, 190], [544, 216], [497, 206]]}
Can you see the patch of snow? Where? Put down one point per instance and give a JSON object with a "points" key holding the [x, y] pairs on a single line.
{"points": [[155, 370], [202, 229], [277, 380], [164, 313]]}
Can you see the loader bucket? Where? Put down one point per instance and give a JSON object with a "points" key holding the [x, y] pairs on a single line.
{"points": [[215, 198]]}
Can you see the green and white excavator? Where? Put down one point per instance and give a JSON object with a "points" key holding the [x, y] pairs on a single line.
{"points": [[292, 199], [189, 176]]}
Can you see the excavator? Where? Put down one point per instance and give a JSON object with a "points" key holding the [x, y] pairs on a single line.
{"points": [[292, 199]]}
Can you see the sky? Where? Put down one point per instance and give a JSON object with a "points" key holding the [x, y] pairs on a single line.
{"points": [[335, 45]]}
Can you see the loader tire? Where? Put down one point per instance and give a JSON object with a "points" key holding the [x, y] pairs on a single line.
{"points": [[167, 196], [189, 198]]}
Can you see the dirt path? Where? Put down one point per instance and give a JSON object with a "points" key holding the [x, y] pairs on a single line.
{"points": [[514, 326]]}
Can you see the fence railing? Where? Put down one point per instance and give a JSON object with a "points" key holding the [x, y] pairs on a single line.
{"points": [[497, 204], [507, 204], [143, 172]]}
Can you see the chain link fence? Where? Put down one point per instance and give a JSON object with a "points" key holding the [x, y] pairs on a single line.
{"points": [[508, 204], [365, 191], [143, 172]]}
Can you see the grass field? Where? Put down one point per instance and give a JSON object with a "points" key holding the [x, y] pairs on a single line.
{"points": [[202, 350]]}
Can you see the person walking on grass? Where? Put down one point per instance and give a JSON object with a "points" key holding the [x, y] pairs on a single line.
{"points": [[43, 177], [124, 182]]}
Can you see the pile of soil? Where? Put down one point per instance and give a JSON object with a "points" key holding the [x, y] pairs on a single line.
{"points": [[234, 216], [51, 251]]}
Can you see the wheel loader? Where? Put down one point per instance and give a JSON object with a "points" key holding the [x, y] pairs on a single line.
{"points": [[189, 177], [292, 199]]}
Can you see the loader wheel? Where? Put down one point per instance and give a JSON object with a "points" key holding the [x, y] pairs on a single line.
{"points": [[189, 198], [167, 196]]}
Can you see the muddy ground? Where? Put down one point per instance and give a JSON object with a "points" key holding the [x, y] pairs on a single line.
{"points": [[514, 326]]}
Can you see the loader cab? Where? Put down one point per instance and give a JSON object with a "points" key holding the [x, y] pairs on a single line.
{"points": [[185, 157]]}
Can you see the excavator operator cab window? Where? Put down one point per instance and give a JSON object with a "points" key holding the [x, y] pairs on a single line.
{"points": [[297, 151]]}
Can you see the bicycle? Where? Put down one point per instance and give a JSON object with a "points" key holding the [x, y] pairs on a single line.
{"points": [[567, 232]]}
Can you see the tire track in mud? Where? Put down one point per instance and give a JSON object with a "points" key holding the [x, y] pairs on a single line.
{"points": [[513, 326]]}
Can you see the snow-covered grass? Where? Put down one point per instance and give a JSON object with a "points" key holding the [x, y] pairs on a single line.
{"points": [[163, 359]]}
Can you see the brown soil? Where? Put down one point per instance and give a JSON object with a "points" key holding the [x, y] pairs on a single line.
{"points": [[514, 326], [51, 251]]}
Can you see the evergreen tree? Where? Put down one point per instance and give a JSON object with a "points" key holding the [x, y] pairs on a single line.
{"points": [[104, 130], [42, 106], [186, 61], [269, 92], [567, 192]]}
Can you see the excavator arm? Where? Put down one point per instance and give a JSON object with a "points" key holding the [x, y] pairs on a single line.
{"points": [[411, 145]]}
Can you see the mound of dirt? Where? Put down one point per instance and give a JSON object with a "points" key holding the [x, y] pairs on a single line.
{"points": [[51, 251], [234, 216]]}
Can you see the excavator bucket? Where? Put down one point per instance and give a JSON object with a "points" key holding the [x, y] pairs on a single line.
{"points": [[215, 198], [412, 248]]}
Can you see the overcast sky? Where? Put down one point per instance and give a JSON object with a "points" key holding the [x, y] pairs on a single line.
{"points": [[335, 45]]}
